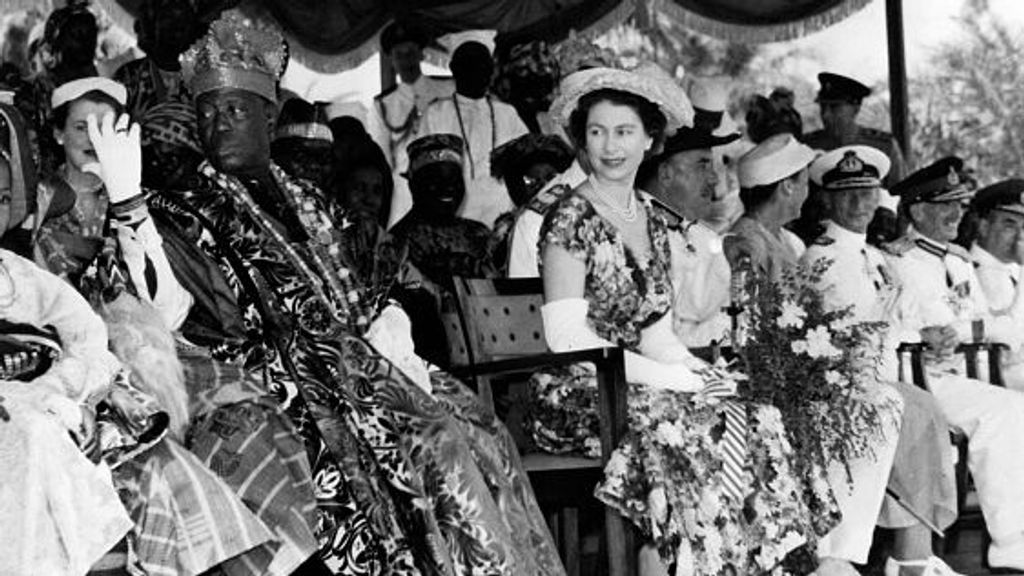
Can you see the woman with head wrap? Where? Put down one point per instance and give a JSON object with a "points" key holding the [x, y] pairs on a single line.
{"points": [[527, 78]]}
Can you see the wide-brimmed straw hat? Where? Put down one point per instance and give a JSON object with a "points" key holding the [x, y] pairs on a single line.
{"points": [[648, 82]]}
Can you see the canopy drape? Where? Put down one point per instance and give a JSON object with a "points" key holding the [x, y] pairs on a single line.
{"points": [[332, 35]]}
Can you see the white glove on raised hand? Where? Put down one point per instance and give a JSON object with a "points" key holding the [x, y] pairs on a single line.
{"points": [[119, 154]]}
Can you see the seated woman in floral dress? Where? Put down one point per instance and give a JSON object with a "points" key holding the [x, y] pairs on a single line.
{"points": [[710, 482]]}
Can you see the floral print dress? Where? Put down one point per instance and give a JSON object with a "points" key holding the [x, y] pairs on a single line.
{"points": [[667, 475]]}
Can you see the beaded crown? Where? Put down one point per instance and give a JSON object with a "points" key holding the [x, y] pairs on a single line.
{"points": [[237, 52]]}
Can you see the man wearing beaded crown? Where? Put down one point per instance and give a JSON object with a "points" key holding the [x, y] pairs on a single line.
{"points": [[279, 299], [858, 276], [939, 302]]}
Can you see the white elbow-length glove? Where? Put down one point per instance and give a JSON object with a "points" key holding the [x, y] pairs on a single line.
{"points": [[566, 329]]}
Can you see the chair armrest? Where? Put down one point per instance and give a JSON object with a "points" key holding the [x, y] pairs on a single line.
{"points": [[599, 356], [611, 384]]}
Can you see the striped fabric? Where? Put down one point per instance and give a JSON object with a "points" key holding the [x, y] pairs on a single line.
{"points": [[188, 520], [212, 384], [734, 447], [258, 453], [240, 433]]}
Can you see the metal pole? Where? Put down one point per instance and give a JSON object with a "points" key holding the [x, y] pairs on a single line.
{"points": [[898, 100]]}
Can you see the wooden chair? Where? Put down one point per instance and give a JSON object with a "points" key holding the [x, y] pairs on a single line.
{"points": [[502, 332], [911, 356]]}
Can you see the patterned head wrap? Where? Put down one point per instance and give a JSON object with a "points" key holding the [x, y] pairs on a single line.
{"points": [[172, 123], [522, 65]]}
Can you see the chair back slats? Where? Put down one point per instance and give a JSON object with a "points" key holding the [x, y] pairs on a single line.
{"points": [[506, 326], [501, 317], [502, 328], [982, 361]]}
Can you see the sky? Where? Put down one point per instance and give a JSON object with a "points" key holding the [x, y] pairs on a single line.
{"points": [[839, 48], [926, 23]]}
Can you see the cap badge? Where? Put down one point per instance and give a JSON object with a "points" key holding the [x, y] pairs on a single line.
{"points": [[953, 179], [851, 164]]}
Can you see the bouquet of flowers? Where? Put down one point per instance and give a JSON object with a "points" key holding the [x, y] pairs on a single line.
{"points": [[813, 364]]}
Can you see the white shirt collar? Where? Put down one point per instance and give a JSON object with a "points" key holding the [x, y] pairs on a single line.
{"points": [[844, 236], [985, 258], [464, 101], [926, 243]]}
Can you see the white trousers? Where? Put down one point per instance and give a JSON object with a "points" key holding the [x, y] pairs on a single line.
{"points": [[993, 420], [860, 501]]}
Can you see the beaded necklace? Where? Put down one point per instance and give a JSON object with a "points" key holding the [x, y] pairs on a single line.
{"points": [[465, 138], [628, 214], [327, 285]]}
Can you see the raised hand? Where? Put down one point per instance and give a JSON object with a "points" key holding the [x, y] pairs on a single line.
{"points": [[119, 154]]}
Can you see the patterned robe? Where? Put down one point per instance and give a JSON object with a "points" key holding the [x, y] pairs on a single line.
{"points": [[406, 482]]}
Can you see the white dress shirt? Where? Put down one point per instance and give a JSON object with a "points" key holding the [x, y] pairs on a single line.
{"points": [[700, 280]]}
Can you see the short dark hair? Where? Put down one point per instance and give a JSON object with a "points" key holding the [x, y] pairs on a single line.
{"points": [[60, 113], [651, 116]]}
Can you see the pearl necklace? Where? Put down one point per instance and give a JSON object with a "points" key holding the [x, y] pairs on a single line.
{"points": [[629, 214]]}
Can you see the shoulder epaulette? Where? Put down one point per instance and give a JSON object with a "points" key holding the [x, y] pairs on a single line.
{"points": [[960, 252], [898, 247], [547, 198]]}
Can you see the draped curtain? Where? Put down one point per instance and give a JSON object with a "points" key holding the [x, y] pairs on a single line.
{"points": [[332, 35]]}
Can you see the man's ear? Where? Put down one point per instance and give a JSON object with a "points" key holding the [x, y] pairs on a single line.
{"points": [[665, 174], [983, 226], [914, 211]]}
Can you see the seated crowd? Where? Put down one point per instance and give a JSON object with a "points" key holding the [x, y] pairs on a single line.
{"points": [[223, 347]]}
